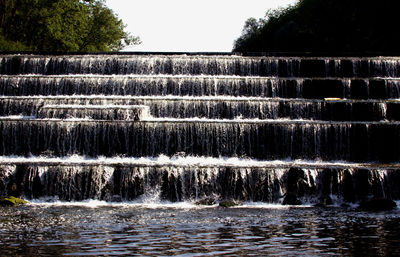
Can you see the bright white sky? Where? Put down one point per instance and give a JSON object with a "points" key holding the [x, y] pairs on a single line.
{"points": [[189, 25]]}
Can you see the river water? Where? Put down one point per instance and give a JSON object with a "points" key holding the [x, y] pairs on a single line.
{"points": [[184, 229]]}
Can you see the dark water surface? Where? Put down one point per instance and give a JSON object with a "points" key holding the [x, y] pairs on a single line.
{"points": [[187, 230]]}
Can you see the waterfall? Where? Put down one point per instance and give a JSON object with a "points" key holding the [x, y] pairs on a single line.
{"points": [[178, 183], [190, 127]]}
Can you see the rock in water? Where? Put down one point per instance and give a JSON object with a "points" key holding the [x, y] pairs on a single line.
{"points": [[378, 204], [206, 201], [324, 201], [291, 199], [11, 201], [228, 204]]}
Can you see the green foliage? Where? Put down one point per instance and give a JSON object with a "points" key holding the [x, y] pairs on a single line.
{"points": [[104, 28], [7, 45], [325, 26], [61, 25]]}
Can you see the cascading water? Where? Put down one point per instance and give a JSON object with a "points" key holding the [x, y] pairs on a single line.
{"points": [[190, 127]]}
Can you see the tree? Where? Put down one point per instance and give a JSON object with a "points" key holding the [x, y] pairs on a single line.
{"points": [[329, 26], [61, 25], [106, 31]]}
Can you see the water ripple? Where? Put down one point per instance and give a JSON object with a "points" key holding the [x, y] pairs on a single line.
{"points": [[132, 230]]}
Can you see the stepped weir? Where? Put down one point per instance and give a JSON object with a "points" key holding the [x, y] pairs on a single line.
{"points": [[191, 127]]}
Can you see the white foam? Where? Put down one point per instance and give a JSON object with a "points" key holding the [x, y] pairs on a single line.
{"points": [[98, 204], [187, 161], [85, 203], [18, 117], [202, 120], [398, 204], [155, 204], [185, 98], [261, 205], [93, 106], [142, 76]]}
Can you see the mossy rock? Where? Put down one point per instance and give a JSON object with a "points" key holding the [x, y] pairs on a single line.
{"points": [[228, 204], [11, 201]]}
